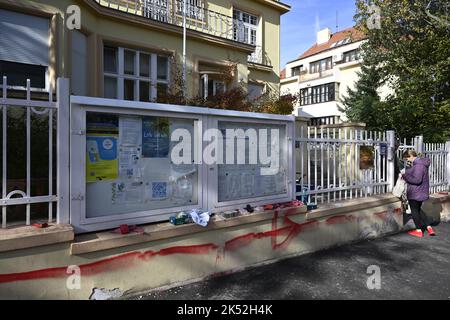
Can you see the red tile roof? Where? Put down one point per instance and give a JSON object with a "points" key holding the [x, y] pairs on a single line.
{"points": [[353, 33], [283, 74]]}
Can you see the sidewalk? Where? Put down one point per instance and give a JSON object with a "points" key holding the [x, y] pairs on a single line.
{"points": [[411, 268]]}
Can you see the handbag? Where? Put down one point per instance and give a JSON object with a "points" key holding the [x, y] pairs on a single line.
{"points": [[400, 188]]}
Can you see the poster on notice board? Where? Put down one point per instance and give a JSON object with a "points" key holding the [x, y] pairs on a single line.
{"points": [[155, 137], [101, 147]]}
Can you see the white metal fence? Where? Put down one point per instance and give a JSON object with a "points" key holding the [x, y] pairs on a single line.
{"points": [[439, 155], [341, 163], [439, 170], [19, 193], [332, 164]]}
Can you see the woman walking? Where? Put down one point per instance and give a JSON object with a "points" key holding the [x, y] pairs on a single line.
{"points": [[417, 191]]}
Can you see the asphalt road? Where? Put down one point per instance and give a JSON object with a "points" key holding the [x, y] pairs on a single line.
{"points": [[410, 268]]}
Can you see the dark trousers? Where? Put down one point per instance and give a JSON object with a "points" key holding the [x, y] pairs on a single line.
{"points": [[420, 219]]}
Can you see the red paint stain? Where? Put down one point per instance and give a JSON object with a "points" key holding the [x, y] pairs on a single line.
{"points": [[110, 264], [291, 228]]}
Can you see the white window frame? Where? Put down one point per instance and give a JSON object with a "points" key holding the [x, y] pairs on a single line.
{"points": [[195, 9], [158, 10], [33, 89], [136, 77], [205, 79], [240, 28]]}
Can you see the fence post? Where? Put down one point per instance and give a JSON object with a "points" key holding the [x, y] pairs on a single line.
{"points": [[419, 145], [390, 135], [447, 149], [62, 151]]}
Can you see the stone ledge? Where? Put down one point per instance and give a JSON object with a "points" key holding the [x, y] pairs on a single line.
{"points": [[107, 240], [338, 208], [440, 197], [29, 237]]}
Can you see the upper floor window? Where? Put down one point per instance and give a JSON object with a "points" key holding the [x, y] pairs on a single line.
{"points": [[351, 55], [245, 27], [194, 9], [134, 75], [295, 71], [319, 94], [156, 9], [321, 65]]}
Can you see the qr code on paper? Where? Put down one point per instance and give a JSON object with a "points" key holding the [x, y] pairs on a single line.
{"points": [[159, 190]]}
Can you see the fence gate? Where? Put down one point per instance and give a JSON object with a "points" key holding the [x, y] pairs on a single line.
{"points": [[34, 139], [342, 163]]}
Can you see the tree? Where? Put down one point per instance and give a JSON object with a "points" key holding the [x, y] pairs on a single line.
{"points": [[363, 104], [411, 54]]}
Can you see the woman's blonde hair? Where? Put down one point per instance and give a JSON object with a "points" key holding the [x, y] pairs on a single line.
{"points": [[409, 153]]}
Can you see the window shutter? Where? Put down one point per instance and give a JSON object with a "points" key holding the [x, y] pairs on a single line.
{"points": [[24, 38]]}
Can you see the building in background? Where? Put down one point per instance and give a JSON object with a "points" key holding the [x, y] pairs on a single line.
{"points": [[129, 49], [322, 75]]}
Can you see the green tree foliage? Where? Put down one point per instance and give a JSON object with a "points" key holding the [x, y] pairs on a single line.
{"points": [[410, 54]]}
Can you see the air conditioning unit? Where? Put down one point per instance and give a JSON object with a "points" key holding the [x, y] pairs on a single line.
{"points": [[338, 57]]}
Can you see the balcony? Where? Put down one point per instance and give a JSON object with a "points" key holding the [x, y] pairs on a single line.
{"points": [[314, 76], [171, 12], [259, 57]]}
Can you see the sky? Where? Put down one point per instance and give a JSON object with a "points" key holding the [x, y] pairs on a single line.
{"points": [[299, 26]]}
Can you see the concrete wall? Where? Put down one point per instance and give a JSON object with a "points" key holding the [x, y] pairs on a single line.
{"points": [[41, 273]]}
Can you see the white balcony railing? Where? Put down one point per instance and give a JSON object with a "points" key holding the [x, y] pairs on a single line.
{"points": [[171, 12], [259, 57]]}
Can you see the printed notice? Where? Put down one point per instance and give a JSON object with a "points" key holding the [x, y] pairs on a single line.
{"points": [[155, 137], [130, 131]]}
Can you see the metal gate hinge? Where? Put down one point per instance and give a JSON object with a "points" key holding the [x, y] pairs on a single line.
{"points": [[79, 197], [79, 132]]}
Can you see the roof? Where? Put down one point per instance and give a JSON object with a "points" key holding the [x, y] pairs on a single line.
{"points": [[352, 33], [283, 74]]}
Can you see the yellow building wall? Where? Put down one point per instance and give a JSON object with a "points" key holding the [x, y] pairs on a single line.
{"points": [[99, 28]]}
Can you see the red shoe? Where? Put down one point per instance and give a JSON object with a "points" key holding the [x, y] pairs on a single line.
{"points": [[431, 232], [416, 233]]}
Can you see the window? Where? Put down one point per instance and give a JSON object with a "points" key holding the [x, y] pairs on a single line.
{"points": [[319, 94], [321, 65], [24, 49], [255, 91], [341, 42], [296, 71], [351, 55], [156, 9], [18, 73], [194, 9], [245, 27], [210, 86], [134, 75]]}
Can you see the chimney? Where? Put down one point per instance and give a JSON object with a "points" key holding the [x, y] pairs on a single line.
{"points": [[323, 36]]}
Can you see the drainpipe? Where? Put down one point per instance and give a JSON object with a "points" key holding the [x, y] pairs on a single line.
{"points": [[184, 48]]}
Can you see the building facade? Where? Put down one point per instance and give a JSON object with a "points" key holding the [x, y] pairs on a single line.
{"points": [[133, 49], [322, 75]]}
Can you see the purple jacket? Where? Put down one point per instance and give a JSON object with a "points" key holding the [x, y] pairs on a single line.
{"points": [[418, 181]]}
